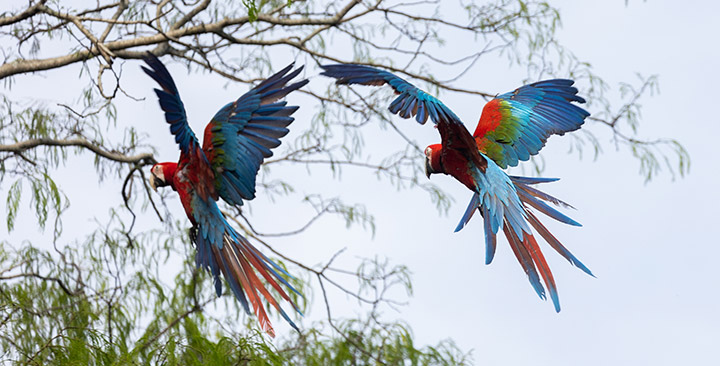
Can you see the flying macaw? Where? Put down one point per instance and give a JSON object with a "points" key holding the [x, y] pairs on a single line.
{"points": [[512, 127], [236, 141]]}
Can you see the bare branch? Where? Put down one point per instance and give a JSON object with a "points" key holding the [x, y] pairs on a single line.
{"points": [[143, 159], [189, 16], [22, 66], [25, 14], [121, 8]]}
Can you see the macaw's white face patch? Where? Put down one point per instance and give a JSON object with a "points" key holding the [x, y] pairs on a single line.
{"points": [[157, 177]]}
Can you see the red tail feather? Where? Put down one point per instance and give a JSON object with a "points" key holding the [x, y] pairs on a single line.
{"points": [[525, 259], [239, 269], [263, 271], [244, 275], [532, 247], [253, 257]]}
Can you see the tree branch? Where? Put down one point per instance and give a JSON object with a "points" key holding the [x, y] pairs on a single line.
{"points": [[27, 13], [44, 278], [142, 159], [22, 66]]}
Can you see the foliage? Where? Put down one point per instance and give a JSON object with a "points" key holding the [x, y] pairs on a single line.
{"points": [[95, 292]]}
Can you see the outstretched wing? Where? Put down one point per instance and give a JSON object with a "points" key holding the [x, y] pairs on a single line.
{"points": [[516, 125], [171, 104], [242, 133], [410, 102]]}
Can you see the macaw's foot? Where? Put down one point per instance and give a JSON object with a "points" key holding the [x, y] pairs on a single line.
{"points": [[192, 232]]}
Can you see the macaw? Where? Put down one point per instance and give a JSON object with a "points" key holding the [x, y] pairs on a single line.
{"points": [[236, 141], [512, 127]]}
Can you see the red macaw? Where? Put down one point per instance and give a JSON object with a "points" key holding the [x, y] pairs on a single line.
{"points": [[236, 141], [512, 127]]}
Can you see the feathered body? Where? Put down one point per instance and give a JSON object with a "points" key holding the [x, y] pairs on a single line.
{"points": [[512, 127], [236, 141]]}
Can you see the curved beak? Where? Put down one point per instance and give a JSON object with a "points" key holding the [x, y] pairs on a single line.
{"points": [[428, 168], [153, 182]]}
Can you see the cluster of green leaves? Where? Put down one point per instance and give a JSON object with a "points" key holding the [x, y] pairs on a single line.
{"points": [[82, 302], [47, 130], [32, 122], [254, 7]]}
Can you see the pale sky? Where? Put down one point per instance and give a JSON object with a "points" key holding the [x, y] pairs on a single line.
{"points": [[654, 300]]}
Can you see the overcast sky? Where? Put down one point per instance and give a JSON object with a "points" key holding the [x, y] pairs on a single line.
{"points": [[654, 300]]}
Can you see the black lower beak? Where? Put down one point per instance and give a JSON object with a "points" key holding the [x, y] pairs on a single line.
{"points": [[428, 168], [155, 182]]}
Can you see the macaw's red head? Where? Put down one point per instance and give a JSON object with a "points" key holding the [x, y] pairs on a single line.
{"points": [[432, 160], [161, 175]]}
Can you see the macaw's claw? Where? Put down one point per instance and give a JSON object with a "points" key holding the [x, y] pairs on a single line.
{"points": [[192, 232]]}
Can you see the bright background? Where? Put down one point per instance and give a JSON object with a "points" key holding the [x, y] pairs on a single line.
{"points": [[655, 299]]}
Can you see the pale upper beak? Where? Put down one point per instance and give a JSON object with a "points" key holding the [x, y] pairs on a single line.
{"points": [[152, 180]]}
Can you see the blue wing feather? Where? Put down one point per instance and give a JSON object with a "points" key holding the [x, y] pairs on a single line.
{"points": [[243, 132], [536, 111], [530, 115], [411, 102], [238, 142], [171, 103]]}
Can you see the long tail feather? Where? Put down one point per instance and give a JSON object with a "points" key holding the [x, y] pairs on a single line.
{"points": [[537, 257], [262, 268], [490, 237], [242, 273], [543, 207], [525, 260], [539, 194], [513, 206], [240, 263], [532, 180], [555, 244], [469, 211]]}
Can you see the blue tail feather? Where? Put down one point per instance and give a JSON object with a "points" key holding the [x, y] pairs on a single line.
{"points": [[545, 208], [490, 237], [474, 204]]}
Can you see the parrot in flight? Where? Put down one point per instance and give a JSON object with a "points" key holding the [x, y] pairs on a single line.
{"points": [[512, 127], [235, 142]]}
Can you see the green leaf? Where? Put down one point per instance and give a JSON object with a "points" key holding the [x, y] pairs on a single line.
{"points": [[13, 203]]}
